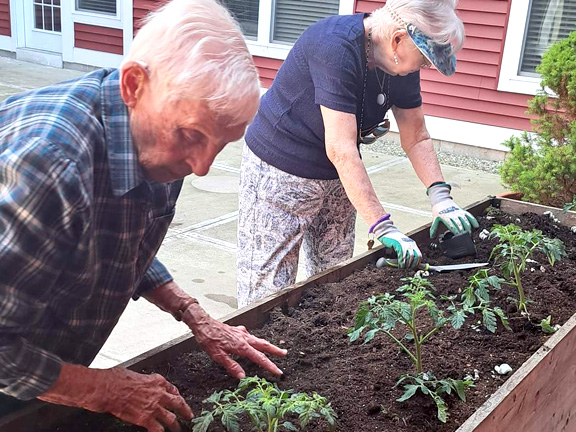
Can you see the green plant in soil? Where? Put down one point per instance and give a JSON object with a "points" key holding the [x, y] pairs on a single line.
{"points": [[434, 388], [266, 406], [476, 299], [383, 313], [571, 206], [546, 325], [515, 247]]}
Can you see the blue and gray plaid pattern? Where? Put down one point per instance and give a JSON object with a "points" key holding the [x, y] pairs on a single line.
{"points": [[439, 55], [79, 227]]}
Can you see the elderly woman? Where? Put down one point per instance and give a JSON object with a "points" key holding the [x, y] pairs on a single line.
{"points": [[302, 177]]}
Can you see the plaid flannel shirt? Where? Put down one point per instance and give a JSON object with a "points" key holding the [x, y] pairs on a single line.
{"points": [[79, 227]]}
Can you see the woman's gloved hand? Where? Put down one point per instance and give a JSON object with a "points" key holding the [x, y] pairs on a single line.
{"points": [[409, 256], [445, 210]]}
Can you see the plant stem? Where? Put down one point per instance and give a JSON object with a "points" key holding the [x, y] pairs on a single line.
{"points": [[406, 350], [521, 301]]}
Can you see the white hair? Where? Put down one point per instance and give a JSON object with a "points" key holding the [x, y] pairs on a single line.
{"points": [[197, 49], [437, 19]]}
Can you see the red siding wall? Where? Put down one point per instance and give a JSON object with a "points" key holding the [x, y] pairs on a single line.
{"points": [[142, 8], [98, 38], [5, 18], [267, 69]]}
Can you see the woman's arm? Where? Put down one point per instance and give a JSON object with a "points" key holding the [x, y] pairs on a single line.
{"points": [[340, 139], [417, 144]]}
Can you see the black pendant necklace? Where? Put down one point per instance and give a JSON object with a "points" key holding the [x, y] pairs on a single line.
{"points": [[382, 96]]}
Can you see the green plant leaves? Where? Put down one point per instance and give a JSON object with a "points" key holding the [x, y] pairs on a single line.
{"points": [[265, 405]]}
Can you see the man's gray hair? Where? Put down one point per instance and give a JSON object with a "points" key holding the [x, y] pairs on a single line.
{"points": [[197, 49], [437, 19]]}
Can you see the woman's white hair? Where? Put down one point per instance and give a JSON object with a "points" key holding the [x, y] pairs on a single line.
{"points": [[197, 49], [437, 19]]}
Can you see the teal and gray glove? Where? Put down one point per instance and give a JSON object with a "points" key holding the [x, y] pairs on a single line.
{"points": [[409, 256], [445, 210]]}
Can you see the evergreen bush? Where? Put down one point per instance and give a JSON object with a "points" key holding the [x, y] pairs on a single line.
{"points": [[543, 165]]}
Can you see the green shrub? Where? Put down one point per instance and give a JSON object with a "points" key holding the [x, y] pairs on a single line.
{"points": [[543, 165]]}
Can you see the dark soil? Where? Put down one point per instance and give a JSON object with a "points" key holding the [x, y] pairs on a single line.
{"points": [[358, 378]]}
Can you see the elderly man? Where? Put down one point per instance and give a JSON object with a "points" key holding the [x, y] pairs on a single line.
{"points": [[89, 175]]}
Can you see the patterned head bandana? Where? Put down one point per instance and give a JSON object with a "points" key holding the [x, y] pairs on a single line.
{"points": [[439, 55]]}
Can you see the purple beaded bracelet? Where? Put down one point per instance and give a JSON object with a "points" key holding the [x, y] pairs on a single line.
{"points": [[382, 219]]}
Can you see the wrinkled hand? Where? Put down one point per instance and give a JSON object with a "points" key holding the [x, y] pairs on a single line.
{"points": [[445, 210], [409, 256], [149, 401], [220, 340]]}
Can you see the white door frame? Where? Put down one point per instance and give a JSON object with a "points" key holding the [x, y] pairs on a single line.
{"points": [[43, 40]]}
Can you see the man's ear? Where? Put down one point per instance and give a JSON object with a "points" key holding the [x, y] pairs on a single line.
{"points": [[134, 76]]}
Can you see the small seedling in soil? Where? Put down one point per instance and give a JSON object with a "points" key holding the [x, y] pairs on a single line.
{"points": [[571, 206], [430, 386], [515, 247], [383, 312], [476, 299], [266, 406], [547, 326]]}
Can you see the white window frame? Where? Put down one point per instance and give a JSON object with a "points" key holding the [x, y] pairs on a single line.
{"points": [[262, 47], [509, 79], [99, 19]]}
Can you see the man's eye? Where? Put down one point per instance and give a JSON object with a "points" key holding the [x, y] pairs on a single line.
{"points": [[192, 136]]}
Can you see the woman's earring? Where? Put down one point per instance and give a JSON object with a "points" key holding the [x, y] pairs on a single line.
{"points": [[395, 59]]}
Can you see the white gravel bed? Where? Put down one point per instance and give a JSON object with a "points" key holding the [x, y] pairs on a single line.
{"points": [[394, 149]]}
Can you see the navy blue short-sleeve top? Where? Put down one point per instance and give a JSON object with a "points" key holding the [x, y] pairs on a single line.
{"points": [[326, 67]]}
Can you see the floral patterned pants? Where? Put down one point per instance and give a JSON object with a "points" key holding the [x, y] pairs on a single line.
{"points": [[279, 213]]}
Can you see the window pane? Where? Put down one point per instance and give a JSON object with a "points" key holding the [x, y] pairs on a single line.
{"points": [[292, 17], [47, 17], [102, 6], [549, 21], [38, 21], [57, 18], [246, 12]]}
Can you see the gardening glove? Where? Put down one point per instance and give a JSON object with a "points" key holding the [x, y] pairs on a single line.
{"points": [[220, 340], [149, 401], [409, 256], [445, 210]]}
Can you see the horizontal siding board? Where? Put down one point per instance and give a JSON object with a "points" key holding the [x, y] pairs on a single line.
{"points": [[478, 117], [101, 39], [267, 62], [94, 46], [98, 38], [493, 6], [484, 31], [477, 69], [481, 17], [474, 105], [5, 28], [482, 44], [484, 57]]}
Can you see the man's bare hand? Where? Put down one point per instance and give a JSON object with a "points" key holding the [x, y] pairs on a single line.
{"points": [[149, 401], [220, 340]]}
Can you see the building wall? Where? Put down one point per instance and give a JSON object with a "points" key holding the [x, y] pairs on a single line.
{"points": [[5, 29], [98, 38]]}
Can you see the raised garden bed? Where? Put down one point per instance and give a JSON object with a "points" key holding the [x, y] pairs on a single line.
{"points": [[311, 320]]}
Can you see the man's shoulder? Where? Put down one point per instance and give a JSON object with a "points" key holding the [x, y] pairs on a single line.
{"points": [[65, 114]]}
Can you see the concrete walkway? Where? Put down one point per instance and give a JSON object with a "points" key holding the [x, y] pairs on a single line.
{"points": [[200, 247]]}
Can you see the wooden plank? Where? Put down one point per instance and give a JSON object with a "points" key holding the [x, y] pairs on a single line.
{"points": [[518, 207]]}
